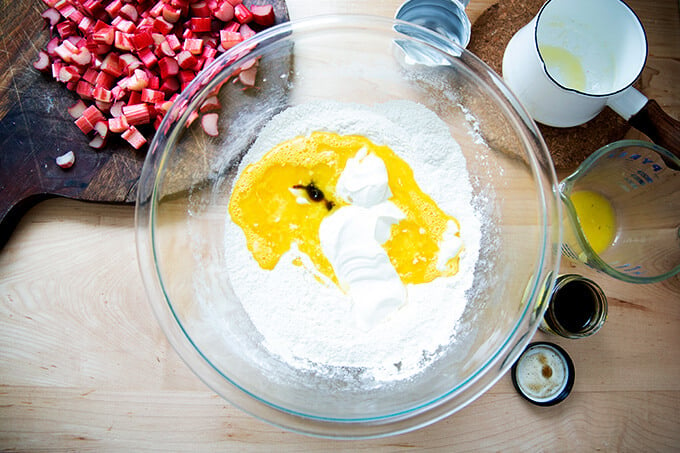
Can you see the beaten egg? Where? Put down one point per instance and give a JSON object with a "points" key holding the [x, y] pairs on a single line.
{"points": [[280, 201]]}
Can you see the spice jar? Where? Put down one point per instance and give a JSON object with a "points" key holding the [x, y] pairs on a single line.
{"points": [[577, 308]]}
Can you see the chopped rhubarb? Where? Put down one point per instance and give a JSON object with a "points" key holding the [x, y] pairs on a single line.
{"points": [[141, 40], [125, 26], [65, 50], [171, 14], [185, 59], [114, 7], [242, 14], [86, 24], [119, 93], [51, 46], [51, 17], [118, 124], [102, 94], [156, 10], [77, 109], [148, 58], [129, 12], [66, 29], [210, 104], [102, 128], [200, 9], [209, 52], [170, 85], [123, 58], [162, 26], [97, 142], [246, 31], [121, 40], [134, 137], [68, 11], [232, 26], [68, 74], [209, 124], [263, 15], [173, 42], [116, 110], [43, 62], [129, 63], [248, 64], [82, 57], [193, 116], [103, 33], [84, 89], [163, 107], [93, 115], [185, 77], [56, 67], [111, 65], [229, 39], [103, 106], [154, 82], [135, 97], [224, 12], [137, 113], [247, 77], [66, 160], [137, 81], [164, 49], [94, 8], [168, 67], [193, 45], [84, 125], [201, 24], [90, 75], [104, 80], [152, 96]]}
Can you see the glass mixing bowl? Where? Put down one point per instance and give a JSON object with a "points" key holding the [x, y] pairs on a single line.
{"points": [[182, 210]]}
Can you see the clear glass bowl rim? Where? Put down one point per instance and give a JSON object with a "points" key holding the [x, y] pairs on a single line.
{"points": [[355, 428]]}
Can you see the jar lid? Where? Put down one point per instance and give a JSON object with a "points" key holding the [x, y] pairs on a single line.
{"points": [[543, 374]]}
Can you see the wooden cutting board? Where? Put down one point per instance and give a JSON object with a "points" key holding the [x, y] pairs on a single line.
{"points": [[35, 127]]}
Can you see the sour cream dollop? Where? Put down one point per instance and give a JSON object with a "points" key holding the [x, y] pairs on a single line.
{"points": [[352, 238]]}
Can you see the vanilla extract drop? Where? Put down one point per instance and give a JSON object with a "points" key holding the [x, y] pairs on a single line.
{"points": [[315, 194]]}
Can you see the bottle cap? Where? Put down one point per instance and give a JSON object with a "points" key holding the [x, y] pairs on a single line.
{"points": [[543, 374]]}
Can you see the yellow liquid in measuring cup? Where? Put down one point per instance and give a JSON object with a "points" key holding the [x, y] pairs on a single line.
{"points": [[596, 216], [564, 67]]}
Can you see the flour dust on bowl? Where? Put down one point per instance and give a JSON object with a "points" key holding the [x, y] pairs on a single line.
{"points": [[363, 245]]}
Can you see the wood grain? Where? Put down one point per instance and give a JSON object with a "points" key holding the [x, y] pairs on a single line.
{"points": [[84, 366]]}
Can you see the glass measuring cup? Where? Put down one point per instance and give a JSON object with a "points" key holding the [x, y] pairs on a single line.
{"points": [[622, 212]]}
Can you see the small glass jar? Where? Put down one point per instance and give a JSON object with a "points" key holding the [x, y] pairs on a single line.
{"points": [[577, 308], [446, 17]]}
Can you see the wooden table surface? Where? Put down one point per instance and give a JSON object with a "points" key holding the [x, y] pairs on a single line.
{"points": [[84, 365]]}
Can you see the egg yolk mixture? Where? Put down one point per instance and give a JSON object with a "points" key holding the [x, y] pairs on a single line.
{"points": [[282, 199], [597, 218]]}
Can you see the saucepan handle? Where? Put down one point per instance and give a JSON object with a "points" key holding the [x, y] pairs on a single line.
{"points": [[658, 125], [647, 116]]}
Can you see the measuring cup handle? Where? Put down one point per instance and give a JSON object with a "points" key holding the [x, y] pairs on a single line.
{"points": [[658, 125]]}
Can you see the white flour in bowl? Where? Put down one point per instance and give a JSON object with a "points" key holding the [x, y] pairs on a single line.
{"points": [[308, 324]]}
